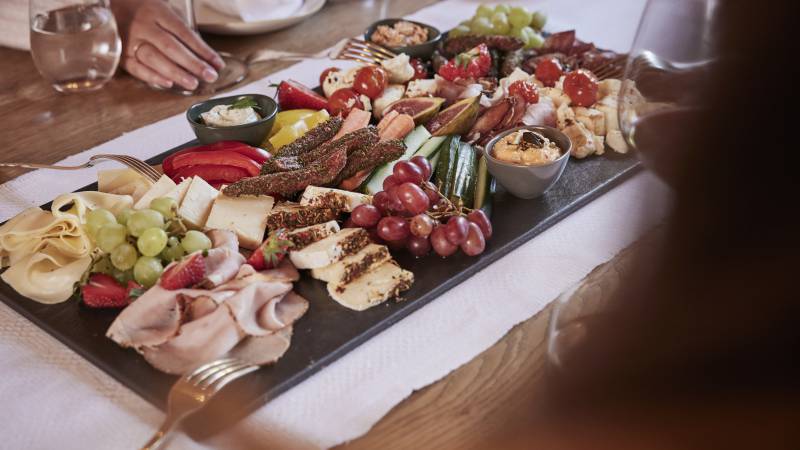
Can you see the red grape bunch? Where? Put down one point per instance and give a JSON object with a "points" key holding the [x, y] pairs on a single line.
{"points": [[411, 213]]}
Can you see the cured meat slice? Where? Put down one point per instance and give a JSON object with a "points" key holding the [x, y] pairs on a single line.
{"points": [[276, 315], [262, 350], [223, 259]]}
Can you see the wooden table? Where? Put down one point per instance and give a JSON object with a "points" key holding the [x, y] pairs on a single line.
{"points": [[41, 125]]}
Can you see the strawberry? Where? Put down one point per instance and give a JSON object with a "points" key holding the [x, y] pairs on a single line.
{"points": [[472, 64], [185, 273], [103, 291], [271, 252], [293, 95]]}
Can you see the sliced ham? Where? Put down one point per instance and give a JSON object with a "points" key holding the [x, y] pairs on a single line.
{"points": [[263, 349], [223, 260], [283, 313], [386, 119], [199, 341], [245, 305], [356, 120]]}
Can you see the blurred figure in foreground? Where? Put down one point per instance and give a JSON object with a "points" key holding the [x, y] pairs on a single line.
{"points": [[701, 350]]}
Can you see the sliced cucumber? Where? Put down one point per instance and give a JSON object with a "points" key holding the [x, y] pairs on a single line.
{"points": [[431, 146], [465, 177], [413, 142], [446, 166]]}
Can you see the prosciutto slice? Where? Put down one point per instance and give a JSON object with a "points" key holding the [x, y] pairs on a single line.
{"points": [[248, 315]]}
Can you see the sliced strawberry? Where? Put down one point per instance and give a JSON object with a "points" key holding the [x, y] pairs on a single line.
{"points": [[103, 291], [271, 252], [293, 95], [185, 273]]}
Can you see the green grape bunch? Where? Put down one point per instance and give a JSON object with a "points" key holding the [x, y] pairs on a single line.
{"points": [[504, 20]]}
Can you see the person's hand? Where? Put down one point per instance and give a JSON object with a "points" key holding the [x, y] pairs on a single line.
{"points": [[160, 49]]}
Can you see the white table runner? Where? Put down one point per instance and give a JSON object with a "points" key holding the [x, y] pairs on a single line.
{"points": [[52, 398]]}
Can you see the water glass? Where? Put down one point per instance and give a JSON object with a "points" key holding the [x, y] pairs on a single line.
{"points": [[74, 43]]}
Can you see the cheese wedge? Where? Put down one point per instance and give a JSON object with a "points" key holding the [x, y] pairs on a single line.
{"points": [[374, 287], [161, 188], [303, 237], [333, 198], [351, 267], [197, 203], [112, 179], [293, 215], [331, 249], [179, 191], [246, 216]]}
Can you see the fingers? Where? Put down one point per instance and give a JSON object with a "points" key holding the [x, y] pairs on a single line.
{"points": [[151, 57], [192, 40], [173, 49], [145, 73]]}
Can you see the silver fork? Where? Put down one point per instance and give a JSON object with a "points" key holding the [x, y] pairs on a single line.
{"points": [[137, 165], [349, 48], [192, 391]]}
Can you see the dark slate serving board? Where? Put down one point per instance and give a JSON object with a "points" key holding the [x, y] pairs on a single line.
{"points": [[328, 331]]}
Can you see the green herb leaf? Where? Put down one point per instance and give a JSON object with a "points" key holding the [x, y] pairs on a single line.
{"points": [[245, 102]]}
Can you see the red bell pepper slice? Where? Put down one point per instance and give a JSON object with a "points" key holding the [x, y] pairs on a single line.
{"points": [[217, 158], [226, 174], [256, 154]]}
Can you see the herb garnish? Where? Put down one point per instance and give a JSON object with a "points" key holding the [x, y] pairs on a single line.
{"points": [[245, 102]]}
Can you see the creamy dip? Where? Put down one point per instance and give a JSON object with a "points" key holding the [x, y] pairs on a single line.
{"points": [[527, 148], [225, 116]]}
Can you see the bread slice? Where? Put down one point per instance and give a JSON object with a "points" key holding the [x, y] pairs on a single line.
{"points": [[333, 198], [331, 249], [303, 237], [374, 287], [351, 267]]}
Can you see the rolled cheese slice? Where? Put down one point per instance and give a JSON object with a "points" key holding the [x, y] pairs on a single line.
{"points": [[47, 276]]}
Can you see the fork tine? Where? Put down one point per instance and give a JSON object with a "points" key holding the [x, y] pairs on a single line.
{"points": [[355, 56], [223, 379], [147, 167], [199, 380], [136, 164], [372, 47], [208, 366]]}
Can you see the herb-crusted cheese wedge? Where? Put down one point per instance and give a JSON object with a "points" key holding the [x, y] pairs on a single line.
{"points": [[303, 237], [246, 216], [374, 287], [351, 267], [333, 198], [196, 204], [331, 249]]}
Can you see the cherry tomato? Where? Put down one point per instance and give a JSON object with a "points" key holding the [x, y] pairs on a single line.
{"points": [[525, 89], [548, 71], [420, 70], [370, 81], [325, 73], [581, 86], [344, 100]]}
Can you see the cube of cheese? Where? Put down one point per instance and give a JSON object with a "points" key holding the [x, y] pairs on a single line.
{"points": [[376, 286], [179, 191], [333, 198], [246, 216], [162, 186], [197, 203]]}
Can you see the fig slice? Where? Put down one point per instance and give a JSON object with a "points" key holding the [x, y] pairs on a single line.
{"points": [[421, 109], [456, 119]]}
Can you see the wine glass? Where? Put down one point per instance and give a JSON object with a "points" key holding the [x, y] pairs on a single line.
{"points": [[664, 81], [74, 43], [233, 73], [658, 107]]}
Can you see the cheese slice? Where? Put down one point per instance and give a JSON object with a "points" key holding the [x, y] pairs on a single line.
{"points": [[197, 203], [374, 287], [161, 188], [246, 216], [112, 179], [179, 191], [333, 198], [351, 267], [303, 237], [331, 249]]}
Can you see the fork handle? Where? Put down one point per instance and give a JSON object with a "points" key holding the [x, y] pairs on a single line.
{"points": [[159, 439], [45, 166]]}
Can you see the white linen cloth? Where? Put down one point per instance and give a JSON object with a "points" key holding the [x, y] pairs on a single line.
{"points": [[52, 398], [14, 26], [255, 10]]}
